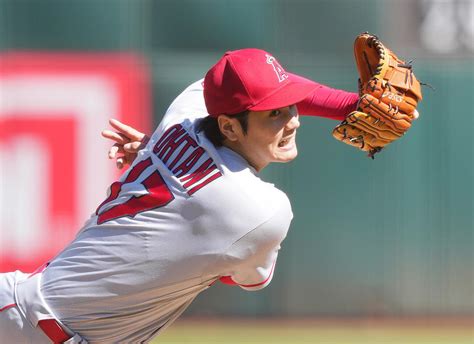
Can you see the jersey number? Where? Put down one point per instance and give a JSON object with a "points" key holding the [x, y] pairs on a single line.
{"points": [[158, 195]]}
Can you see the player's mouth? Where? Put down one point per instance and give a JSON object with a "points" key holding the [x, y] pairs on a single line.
{"points": [[287, 142]]}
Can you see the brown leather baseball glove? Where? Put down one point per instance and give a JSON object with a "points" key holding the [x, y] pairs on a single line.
{"points": [[389, 92]]}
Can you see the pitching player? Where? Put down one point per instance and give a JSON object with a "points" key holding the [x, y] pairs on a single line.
{"points": [[190, 210]]}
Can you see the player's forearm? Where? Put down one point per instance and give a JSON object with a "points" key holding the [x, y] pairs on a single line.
{"points": [[329, 102]]}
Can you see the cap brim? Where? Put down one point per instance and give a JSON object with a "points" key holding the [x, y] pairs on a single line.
{"points": [[292, 93]]}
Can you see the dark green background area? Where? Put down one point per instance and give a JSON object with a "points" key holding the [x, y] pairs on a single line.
{"points": [[392, 236]]}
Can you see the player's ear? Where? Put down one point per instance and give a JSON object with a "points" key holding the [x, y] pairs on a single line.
{"points": [[229, 127]]}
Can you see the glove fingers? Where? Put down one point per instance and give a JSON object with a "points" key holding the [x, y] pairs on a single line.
{"points": [[382, 133], [357, 137], [351, 136], [369, 54]]}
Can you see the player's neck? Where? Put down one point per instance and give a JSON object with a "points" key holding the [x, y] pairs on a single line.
{"points": [[239, 149]]}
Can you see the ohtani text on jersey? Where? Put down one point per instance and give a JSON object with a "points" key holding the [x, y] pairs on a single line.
{"points": [[188, 161]]}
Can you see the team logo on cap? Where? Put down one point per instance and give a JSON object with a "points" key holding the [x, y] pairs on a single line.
{"points": [[279, 71]]}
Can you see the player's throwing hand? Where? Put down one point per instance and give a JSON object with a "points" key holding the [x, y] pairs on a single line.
{"points": [[128, 141]]}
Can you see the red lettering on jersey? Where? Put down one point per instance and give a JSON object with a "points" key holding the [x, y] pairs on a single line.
{"points": [[189, 143], [166, 137], [204, 183], [190, 176], [168, 140], [176, 142], [202, 172], [189, 163]]}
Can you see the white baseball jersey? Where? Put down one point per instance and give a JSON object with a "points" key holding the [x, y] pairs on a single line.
{"points": [[185, 214]]}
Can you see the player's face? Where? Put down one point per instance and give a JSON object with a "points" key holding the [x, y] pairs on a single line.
{"points": [[270, 137]]}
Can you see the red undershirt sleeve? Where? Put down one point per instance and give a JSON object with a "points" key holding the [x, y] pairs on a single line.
{"points": [[328, 102]]}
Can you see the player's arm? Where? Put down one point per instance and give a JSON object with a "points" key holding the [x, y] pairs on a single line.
{"points": [[128, 141], [250, 261], [257, 279], [327, 102]]}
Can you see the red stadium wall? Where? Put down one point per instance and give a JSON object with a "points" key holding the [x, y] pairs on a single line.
{"points": [[54, 169]]}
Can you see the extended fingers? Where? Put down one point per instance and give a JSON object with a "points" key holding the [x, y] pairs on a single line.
{"points": [[127, 131], [128, 141], [114, 136]]}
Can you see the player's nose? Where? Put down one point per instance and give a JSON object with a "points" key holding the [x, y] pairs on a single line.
{"points": [[294, 122]]}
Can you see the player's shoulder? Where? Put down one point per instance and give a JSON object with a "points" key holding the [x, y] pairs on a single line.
{"points": [[245, 179], [189, 105], [240, 201], [188, 97]]}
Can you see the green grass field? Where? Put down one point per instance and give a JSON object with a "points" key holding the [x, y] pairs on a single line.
{"points": [[358, 331]]}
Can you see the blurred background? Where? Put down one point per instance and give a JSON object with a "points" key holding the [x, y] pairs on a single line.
{"points": [[392, 237]]}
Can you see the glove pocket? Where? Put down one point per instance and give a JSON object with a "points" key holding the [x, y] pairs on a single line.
{"points": [[396, 98]]}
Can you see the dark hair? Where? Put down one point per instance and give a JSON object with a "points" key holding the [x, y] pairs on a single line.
{"points": [[210, 127]]}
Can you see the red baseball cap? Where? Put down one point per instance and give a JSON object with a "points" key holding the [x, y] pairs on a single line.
{"points": [[251, 79]]}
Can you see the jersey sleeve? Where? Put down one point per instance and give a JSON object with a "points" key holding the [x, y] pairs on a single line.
{"points": [[328, 102], [253, 257]]}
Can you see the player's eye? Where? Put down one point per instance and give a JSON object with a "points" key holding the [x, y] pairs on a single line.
{"points": [[275, 113]]}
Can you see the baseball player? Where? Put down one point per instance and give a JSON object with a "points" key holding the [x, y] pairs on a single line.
{"points": [[189, 211]]}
